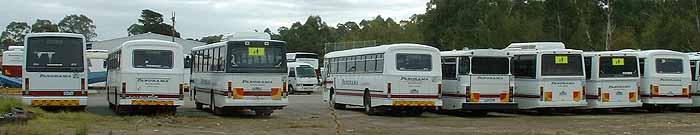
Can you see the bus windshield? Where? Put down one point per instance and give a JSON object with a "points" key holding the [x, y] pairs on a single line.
{"points": [[158, 59], [311, 56], [413, 62], [490, 65], [305, 71], [562, 65], [622, 66], [252, 58], [669, 66], [55, 54]]}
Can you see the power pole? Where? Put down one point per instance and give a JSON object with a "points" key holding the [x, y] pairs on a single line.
{"points": [[173, 30], [608, 36]]}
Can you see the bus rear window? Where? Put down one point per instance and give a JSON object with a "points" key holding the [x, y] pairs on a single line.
{"points": [[55, 54], [158, 59], [562, 65], [669, 66], [490, 65], [611, 67], [413, 62]]}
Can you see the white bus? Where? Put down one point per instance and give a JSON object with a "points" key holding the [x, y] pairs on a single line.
{"points": [[477, 80], [612, 79], [55, 71], [96, 65], [12, 60], [547, 75], [144, 75], [303, 57], [665, 80], [240, 74], [694, 90], [301, 78], [402, 77]]}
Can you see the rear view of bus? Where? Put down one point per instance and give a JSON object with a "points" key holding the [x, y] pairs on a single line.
{"points": [[547, 75], [665, 79], [478, 81], [12, 61], [146, 75], [55, 70], [612, 80]]}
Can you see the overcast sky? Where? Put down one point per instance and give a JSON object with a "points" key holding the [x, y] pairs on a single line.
{"points": [[198, 18]]}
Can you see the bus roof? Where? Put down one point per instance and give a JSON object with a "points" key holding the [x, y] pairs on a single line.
{"points": [[301, 53], [54, 34], [535, 46], [378, 49], [610, 53], [476, 52], [96, 51], [650, 53], [224, 43], [694, 57], [149, 42]]}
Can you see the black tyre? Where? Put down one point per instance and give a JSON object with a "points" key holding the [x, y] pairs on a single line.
{"points": [[198, 106]]}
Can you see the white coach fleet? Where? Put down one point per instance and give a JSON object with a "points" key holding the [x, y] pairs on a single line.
{"points": [[253, 72]]}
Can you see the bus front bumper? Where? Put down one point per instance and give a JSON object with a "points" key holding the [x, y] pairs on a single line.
{"points": [[55, 100]]}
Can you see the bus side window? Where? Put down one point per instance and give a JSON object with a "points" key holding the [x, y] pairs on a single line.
{"points": [[693, 66], [525, 66], [380, 63], [641, 67], [360, 64], [449, 68], [587, 61], [292, 72], [464, 65], [371, 62]]}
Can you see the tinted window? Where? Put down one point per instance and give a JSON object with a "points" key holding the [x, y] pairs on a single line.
{"points": [[305, 71], [669, 66], [371, 61], [562, 65], [160, 59], [413, 62], [524, 66], [587, 62], [641, 67], [464, 65], [490, 65], [693, 67], [449, 68], [55, 54], [380, 63], [256, 58], [618, 67], [360, 64]]}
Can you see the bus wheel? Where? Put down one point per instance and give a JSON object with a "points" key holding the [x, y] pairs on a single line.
{"points": [[218, 110], [367, 104], [263, 112], [333, 103], [198, 106]]}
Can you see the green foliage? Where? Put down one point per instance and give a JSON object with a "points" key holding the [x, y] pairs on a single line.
{"points": [[152, 21], [44, 26], [14, 34], [79, 24]]}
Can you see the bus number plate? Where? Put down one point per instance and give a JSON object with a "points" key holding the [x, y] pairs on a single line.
{"points": [[489, 100], [68, 93]]}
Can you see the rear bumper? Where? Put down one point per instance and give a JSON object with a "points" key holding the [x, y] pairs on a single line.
{"points": [[599, 104], [489, 106], [695, 100], [407, 102], [667, 100], [152, 102], [306, 88], [228, 102], [55, 100]]}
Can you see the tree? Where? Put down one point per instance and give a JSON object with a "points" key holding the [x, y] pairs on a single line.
{"points": [[211, 39], [151, 21], [79, 24], [14, 34], [44, 26]]}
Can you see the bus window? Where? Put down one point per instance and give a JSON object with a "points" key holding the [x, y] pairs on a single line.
{"points": [[413, 62], [562, 65], [292, 72], [693, 67], [617, 67], [464, 64], [449, 68], [669, 66], [524, 66], [371, 62], [641, 67], [380, 63], [246, 58], [159, 59], [55, 54], [188, 62], [587, 63], [490, 65]]}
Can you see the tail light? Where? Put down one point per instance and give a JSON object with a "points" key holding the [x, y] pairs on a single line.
{"points": [[686, 92], [388, 90], [276, 94], [439, 90], [548, 96], [26, 86], [606, 97], [182, 90], [239, 93], [633, 97], [577, 96], [475, 97], [284, 89], [510, 93], [654, 90], [229, 89], [504, 97], [123, 90]]}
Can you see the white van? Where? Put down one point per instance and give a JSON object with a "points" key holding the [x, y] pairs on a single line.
{"points": [[477, 80], [547, 75], [301, 78], [612, 79], [665, 79]]}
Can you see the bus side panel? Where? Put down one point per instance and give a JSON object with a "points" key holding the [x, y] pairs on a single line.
{"points": [[350, 88], [201, 85], [454, 93], [527, 93]]}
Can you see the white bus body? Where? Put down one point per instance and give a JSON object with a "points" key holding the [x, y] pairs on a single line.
{"points": [[477, 80], [145, 73], [612, 79], [96, 64], [12, 60], [240, 74], [55, 71], [665, 78], [694, 90], [547, 75], [303, 57], [301, 78], [397, 76]]}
